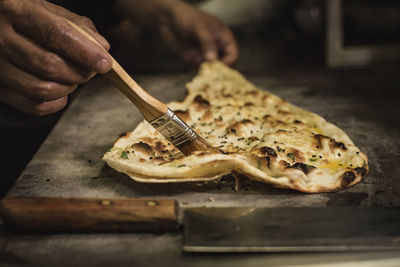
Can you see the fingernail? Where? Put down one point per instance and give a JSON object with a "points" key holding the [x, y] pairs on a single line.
{"points": [[210, 56], [103, 66]]}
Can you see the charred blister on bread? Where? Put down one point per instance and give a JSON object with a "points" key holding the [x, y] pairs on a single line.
{"points": [[303, 167], [323, 141], [283, 113], [257, 134], [183, 114], [263, 162], [361, 170], [207, 117], [283, 165], [295, 154], [265, 151], [347, 178], [159, 146], [143, 148], [253, 93], [201, 103]]}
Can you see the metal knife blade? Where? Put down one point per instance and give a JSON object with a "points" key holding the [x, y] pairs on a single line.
{"points": [[291, 229]]}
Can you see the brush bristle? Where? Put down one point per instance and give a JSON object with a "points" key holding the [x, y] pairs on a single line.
{"points": [[198, 144]]}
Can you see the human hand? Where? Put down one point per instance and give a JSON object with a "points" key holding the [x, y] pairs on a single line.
{"points": [[42, 57], [197, 36], [189, 32]]}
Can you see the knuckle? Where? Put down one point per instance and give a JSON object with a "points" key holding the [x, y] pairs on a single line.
{"points": [[50, 65], [9, 6], [7, 40], [43, 91], [57, 33], [51, 59], [88, 22], [41, 2], [48, 91]]}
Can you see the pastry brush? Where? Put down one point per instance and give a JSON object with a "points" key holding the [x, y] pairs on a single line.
{"points": [[163, 119]]}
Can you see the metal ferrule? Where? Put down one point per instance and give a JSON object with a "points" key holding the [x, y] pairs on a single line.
{"points": [[173, 128]]}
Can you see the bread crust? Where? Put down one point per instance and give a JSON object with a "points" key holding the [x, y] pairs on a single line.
{"points": [[264, 137]]}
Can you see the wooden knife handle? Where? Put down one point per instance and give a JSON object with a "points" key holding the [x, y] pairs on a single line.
{"points": [[89, 215]]}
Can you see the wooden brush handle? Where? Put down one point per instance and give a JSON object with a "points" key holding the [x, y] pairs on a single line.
{"points": [[149, 106], [89, 215]]}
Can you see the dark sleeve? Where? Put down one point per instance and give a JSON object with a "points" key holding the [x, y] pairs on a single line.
{"points": [[100, 11]]}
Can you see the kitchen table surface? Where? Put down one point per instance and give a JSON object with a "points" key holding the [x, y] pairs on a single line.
{"points": [[68, 164]]}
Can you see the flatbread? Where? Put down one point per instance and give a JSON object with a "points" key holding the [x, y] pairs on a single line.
{"points": [[263, 137]]}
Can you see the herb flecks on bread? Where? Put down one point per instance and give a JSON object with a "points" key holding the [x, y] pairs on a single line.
{"points": [[262, 136]]}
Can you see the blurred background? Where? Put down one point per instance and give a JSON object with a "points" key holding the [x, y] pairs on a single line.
{"points": [[276, 34]]}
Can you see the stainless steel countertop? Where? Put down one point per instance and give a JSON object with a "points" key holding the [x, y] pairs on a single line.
{"points": [[69, 164]]}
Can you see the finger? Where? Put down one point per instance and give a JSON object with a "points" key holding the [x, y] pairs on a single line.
{"points": [[54, 33], [188, 54], [30, 86], [26, 105], [228, 47], [192, 56], [34, 59], [84, 22], [208, 44]]}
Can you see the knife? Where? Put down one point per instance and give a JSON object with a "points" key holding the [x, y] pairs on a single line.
{"points": [[218, 229], [300, 229]]}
